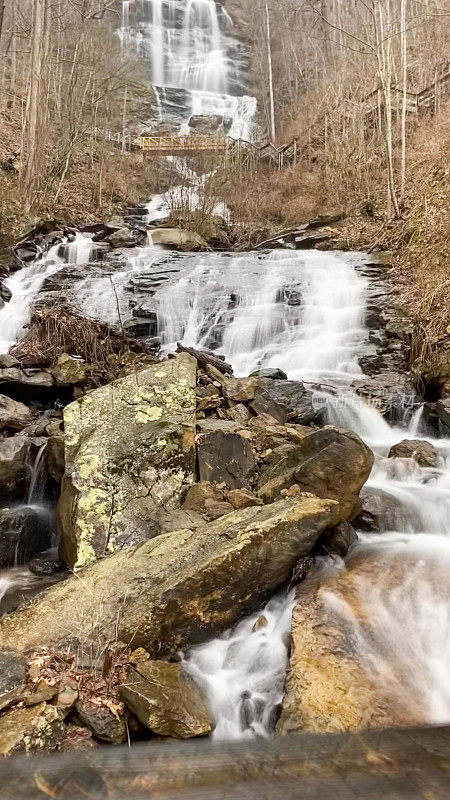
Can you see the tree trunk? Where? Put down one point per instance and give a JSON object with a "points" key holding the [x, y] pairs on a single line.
{"points": [[270, 70], [404, 95]]}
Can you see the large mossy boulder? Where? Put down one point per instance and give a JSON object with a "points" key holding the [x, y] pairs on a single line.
{"points": [[181, 587], [129, 452]]}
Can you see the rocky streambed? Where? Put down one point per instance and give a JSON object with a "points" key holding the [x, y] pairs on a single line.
{"points": [[188, 491]]}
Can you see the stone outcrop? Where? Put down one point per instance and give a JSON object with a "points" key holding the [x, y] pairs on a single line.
{"points": [[33, 729], [178, 238], [183, 587], [166, 701], [129, 451]]}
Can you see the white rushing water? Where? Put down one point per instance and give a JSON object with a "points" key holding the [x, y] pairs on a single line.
{"points": [[300, 311], [26, 283], [196, 64]]}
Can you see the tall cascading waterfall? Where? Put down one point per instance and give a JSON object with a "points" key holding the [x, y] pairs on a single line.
{"points": [[196, 64]]}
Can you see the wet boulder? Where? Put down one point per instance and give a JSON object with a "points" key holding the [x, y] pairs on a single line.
{"points": [[182, 587], [123, 237], [328, 463], [423, 453], [339, 540], [13, 415], [24, 532], [382, 511], [285, 401], [129, 452], [352, 666], [15, 460], [166, 700]]}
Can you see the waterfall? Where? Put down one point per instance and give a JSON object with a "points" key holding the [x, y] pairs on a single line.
{"points": [[27, 282], [196, 66]]}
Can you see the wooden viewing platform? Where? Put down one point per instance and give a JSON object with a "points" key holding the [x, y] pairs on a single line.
{"points": [[182, 145]]}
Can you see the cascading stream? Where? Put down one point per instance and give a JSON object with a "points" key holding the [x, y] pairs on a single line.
{"points": [[303, 312]]}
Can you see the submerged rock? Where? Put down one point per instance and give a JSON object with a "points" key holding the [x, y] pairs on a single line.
{"points": [[129, 450], [422, 452], [180, 588], [24, 532], [166, 700], [351, 666]]}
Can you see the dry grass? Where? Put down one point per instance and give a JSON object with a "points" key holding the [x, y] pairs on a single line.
{"points": [[100, 183], [58, 329]]}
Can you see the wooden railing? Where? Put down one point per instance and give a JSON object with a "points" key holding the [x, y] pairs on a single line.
{"points": [[163, 145]]}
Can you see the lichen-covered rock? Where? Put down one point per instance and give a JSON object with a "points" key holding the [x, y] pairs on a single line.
{"points": [[166, 700], [179, 588], [329, 463], [35, 728], [129, 450]]}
